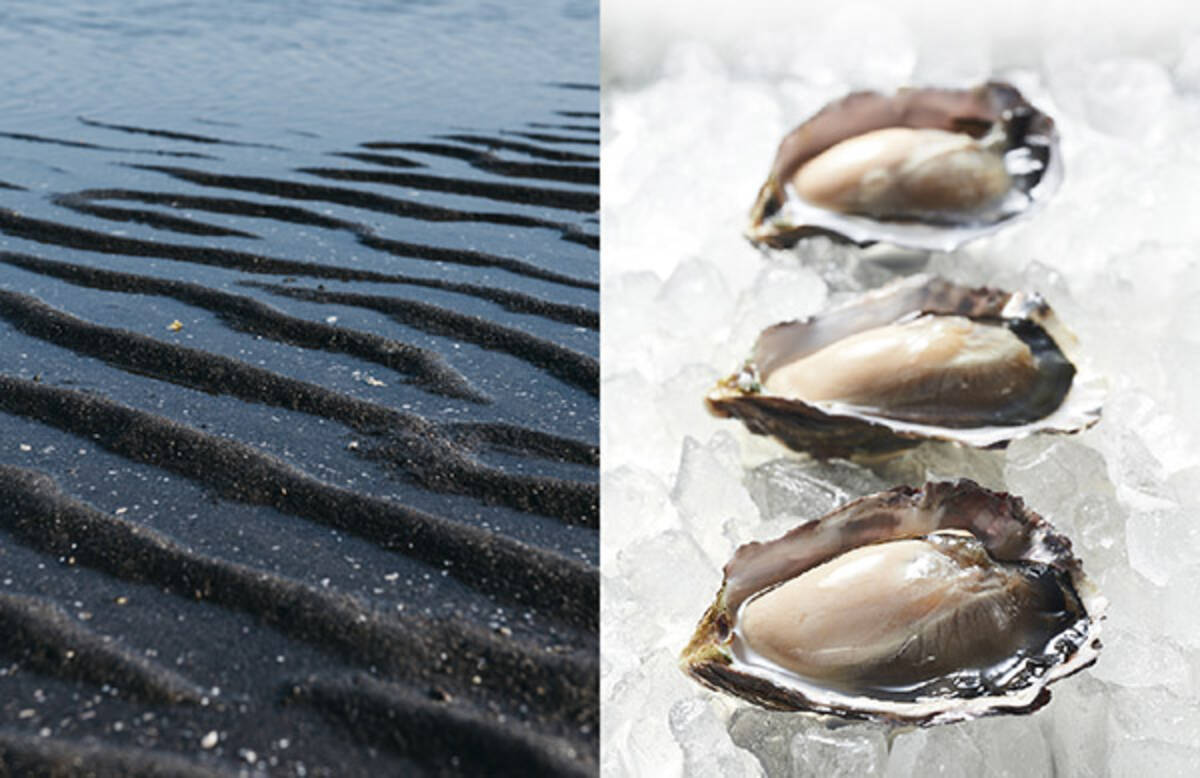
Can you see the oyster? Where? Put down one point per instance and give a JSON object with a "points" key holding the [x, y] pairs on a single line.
{"points": [[923, 169], [921, 358], [909, 606]]}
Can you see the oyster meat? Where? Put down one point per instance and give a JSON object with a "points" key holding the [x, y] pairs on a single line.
{"points": [[909, 606], [920, 358], [924, 169]]}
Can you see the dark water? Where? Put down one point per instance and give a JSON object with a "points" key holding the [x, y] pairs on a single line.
{"points": [[298, 392], [293, 66]]}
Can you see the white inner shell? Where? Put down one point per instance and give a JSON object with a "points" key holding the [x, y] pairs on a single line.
{"points": [[895, 614], [948, 360], [900, 171]]}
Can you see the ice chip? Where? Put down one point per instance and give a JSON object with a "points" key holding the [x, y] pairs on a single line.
{"points": [[672, 572], [852, 752], [1162, 542], [707, 747], [636, 505], [1154, 758], [768, 735], [984, 748], [637, 739], [1078, 730], [629, 397], [1138, 660], [803, 489], [708, 491]]}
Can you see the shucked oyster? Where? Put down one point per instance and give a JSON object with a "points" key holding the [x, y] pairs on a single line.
{"points": [[919, 358], [909, 606], [924, 168]]}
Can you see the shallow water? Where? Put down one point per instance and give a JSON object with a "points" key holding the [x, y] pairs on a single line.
{"points": [[294, 67]]}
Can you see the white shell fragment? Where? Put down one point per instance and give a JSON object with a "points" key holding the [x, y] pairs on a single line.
{"points": [[923, 169], [921, 358], [909, 606]]}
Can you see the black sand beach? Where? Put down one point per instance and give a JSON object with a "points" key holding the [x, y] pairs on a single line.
{"points": [[298, 429]]}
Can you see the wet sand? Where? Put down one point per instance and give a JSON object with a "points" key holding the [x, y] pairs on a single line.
{"points": [[299, 478]]}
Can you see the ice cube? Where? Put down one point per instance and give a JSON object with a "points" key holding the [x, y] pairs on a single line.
{"points": [[985, 748], [628, 396], [623, 346], [708, 492], [778, 294], [1076, 725], [939, 461], [1137, 660], [683, 394], [851, 752], [1162, 542], [796, 490], [768, 735], [636, 505], [1154, 758], [1178, 602], [707, 747], [696, 299], [1168, 714], [673, 577], [637, 740]]}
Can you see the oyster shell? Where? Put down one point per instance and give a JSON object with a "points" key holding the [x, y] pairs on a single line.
{"points": [[921, 358], [908, 606], [923, 169]]}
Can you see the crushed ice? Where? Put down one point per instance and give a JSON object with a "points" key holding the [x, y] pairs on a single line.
{"points": [[693, 107]]}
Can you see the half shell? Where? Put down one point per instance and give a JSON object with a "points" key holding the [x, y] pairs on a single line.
{"points": [[908, 606], [924, 169], [921, 358]]}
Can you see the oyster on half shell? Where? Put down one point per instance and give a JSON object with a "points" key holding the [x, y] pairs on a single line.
{"points": [[908, 606], [921, 358], [923, 169]]}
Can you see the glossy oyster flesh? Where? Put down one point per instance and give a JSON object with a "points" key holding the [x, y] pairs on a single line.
{"points": [[909, 606], [921, 358], [924, 168]]}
